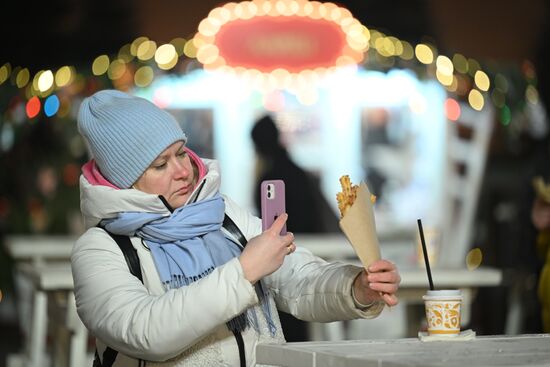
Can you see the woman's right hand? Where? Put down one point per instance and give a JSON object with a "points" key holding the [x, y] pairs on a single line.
{"points": [[266, 252]]}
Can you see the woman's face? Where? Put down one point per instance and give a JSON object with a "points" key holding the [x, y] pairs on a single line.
{"points": [[171, 175]]}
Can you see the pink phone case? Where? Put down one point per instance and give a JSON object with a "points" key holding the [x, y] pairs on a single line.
{"points": [[273, 202]]}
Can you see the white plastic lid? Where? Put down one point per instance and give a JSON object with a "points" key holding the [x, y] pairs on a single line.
{"points": [[444, 293]]}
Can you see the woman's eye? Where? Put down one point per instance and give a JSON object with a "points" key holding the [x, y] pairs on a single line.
{"points": [[159, 166], [182, 154]]}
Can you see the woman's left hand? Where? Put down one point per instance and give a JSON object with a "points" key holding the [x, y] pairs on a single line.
{"points": [[379, 282]]}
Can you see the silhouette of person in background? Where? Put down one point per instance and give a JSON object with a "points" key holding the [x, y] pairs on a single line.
{"points": [[308, 210]]}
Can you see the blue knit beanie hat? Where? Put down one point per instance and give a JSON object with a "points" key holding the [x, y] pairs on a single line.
{"points": [[125, 134]]}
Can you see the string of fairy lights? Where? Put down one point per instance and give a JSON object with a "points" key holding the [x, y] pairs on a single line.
{"points": [[138, 63]]}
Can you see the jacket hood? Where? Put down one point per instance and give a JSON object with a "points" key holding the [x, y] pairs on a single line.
{"points": [[99, 202]]}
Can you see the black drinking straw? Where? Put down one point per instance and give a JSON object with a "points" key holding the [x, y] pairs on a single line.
{"points": [[425, 254]]}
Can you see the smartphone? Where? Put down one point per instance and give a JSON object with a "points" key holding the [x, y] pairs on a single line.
{"points": [[272, 202]]}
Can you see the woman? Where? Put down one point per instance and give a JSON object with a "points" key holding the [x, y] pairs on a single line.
{"points": [[204, 299]]}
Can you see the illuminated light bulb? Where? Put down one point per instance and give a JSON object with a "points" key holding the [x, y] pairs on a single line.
{"points": [[143, 76], [397, 45], [358, 42], [63, 76], [452, 109], [306, 9], [45, 81], [476, 100], [33, 107], [252, 9], [460, 63], [146, 50], [267, 8], [532, 95], [221, 14], [207, 27], [165, 54], [136, 43], [316, 11], [408, 51], [388, 46], [424, 54], [474, 258], [279, 8], [22, 78], [100, 65], [444, 66], [116, 69], [329, 7], [170, 64], [51, 105], [335, 15], [482, 80], [231, 8], [293, 7], [190, 50], [283, 76], [207, 54]]}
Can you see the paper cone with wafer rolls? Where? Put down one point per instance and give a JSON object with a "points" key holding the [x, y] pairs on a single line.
{"points": [[357, 220]]}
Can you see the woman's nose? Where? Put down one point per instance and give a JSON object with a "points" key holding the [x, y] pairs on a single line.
{"points": [[180, 171]]}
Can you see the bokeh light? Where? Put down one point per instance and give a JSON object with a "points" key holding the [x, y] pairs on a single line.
{"points": [[532, 95], [45, 81], [482, 80], [22, 78], [116, 69], [424, 54], [476, 100], [100, 65], [505, 115], [64, 76], [474, 258], [460, 63], [144, 76], [146, 50], [33, 107], [452, 109], [4, 73], [51, 105]]}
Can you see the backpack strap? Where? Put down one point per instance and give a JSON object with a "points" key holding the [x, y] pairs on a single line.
{"points": [[132, 259]]}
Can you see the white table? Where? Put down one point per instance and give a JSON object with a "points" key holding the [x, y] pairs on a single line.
{"points": [[522, 350], [44, 261]]}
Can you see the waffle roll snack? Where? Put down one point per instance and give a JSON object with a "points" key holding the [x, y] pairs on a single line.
{"points": [[355, 203]]}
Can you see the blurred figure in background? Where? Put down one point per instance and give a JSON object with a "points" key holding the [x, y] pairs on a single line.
{"points": [[308, 210]]}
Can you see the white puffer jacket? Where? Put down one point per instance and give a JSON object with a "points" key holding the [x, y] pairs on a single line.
{"points": [[186, 326]]}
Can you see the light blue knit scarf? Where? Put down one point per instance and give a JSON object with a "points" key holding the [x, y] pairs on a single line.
{"points": [[188, 245]]}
